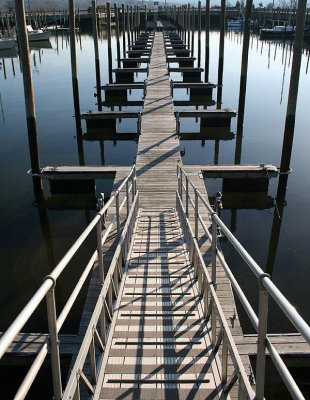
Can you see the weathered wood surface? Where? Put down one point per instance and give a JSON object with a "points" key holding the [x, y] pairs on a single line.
{"points": [[160, 347], [193, 85], [225, 113], [128, 70], [93, 115], [123, 86], [185, 69], [235, 171], [81, 172], [224, 289], [158, 148]]}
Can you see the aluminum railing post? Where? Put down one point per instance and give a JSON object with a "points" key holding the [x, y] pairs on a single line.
{"points": [[117, 213], [196, 213], [133, 185], [261, 339], [187, 195], [54, 342], [181, 184], [127, 198], [214, 250], [99, 251]]}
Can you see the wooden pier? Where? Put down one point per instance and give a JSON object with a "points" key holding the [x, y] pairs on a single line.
{"points": [[160, 318]]}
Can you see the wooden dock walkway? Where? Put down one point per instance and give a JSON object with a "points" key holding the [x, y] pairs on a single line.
{"points": [[160, 344], [160, 319], [158, 148]]}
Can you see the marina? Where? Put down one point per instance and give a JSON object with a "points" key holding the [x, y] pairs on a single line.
{"points": [[156, 306]]}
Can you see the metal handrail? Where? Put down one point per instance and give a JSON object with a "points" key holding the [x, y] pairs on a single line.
{"points": [[265, 284], [214, 312], [48, 286]]}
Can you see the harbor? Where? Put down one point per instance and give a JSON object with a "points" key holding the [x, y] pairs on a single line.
{"points": [[158, 168]]}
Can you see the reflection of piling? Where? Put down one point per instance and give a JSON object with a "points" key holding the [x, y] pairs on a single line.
{"points": [[109, 41], [118, 49], [28, 89], [293, 91], [276, 224], [244, 61], [199, 33], [207, 49], [221, 56], [97, 60]]}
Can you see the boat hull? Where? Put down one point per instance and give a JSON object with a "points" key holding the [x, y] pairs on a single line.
{"points": [[6, 44], [37, 37]]}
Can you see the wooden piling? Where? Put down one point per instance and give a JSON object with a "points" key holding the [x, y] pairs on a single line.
{"points": [[28, 88], [145, 17], [188, 26], [207, 45], [96, 49], [75, 84], [118, 48], [293, 91], [199, 33], [108, 5], [193, 31], [124, 30], [8, 24], [244, 61], [221, 55], [128, 26], [131, 24]]}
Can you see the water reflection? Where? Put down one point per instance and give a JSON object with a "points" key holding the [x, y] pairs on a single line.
{"points": [[258, 134]]}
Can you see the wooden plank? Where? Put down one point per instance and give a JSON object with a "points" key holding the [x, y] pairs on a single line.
{"points": [[235, 171]]}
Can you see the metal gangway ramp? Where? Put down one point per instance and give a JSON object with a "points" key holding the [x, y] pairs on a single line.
{"points": [[156, 327]]}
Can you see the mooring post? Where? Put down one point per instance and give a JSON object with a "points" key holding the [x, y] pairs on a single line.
{"points": [[124, 30], [189, 26], [293, 90], [28, 89], [221, 55], [244, 61], [193, 31], [145, 16], [8, 25], [118, 48], [131, 25], [207, 49], [108, 5], [75, 83], [128, 27], [97, 59], [199, 33]]}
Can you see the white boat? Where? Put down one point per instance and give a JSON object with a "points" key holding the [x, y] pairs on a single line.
{"points": [[278, 31], [34, 35], [6, 44], [37, 34], [235, 23]]}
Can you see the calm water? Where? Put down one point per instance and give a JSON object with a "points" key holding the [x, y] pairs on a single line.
{"points": [[33, 240]]}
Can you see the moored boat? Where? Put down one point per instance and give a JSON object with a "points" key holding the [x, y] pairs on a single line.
{"points": [[235, 23], [286, 31], [6, 44], [34, 35]]}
